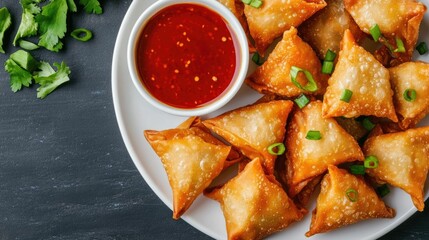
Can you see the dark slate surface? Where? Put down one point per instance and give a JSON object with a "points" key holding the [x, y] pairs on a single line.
{"points": [[64, 170]]}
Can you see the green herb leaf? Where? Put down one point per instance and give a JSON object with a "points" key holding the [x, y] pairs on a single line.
{"points": [[5, 22], [53, 24], [18, 76], [28, 26], [91, 6], [49, 79]]}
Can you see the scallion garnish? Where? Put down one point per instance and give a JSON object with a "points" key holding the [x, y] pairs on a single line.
{"points": [[357, 169], [81, 34], [257, 59], [367, 124], [313, 135], [375, 32], [383, 190], [311, 85], [352, 194], [330, 55], [346, 95], [370, 162], [253, 3], [327, 67], [302, 101], [276, 149], [422, 48], [399, 45], [256, 3], [410, 95], [27, 45]]}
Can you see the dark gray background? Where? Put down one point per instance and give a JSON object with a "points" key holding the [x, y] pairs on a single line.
{"points": [[64, 170]]}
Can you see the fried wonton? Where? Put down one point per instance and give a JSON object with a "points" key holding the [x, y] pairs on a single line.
{"points": [[274, 75], [307, 159], [192, 158], [325, 29], [254, 204], [403, 161], [410, 76], [252, 129], [365, 80], [395, 18], [345, 199], [269, 21]]}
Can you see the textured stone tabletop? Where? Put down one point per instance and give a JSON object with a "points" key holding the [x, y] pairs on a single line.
{"points": [[64, 170]]}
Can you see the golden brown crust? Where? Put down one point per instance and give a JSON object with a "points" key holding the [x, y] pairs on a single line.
{"points": [[273, 77], [406, 163], [307, 159], [269, 21], [358, 71], [252, 129], [254, 204], [335, 209]]}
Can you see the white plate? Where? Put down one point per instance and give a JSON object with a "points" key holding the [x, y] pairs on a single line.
{"points": [[134, 115]]}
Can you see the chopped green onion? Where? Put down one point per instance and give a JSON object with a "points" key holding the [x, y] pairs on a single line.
{"points": [[302, 101], [81, 34], [383, 190], [311, 85], [256, 3], [371, 162], [327, 67], [346, 95], [256, 58], [367, 124], [410, 95], [280, 149], [375, 32], [246, 1], [330, 55], [352, 194], [422, 48], [313, 135], [357, 169], [400, 45], [27, 45]]}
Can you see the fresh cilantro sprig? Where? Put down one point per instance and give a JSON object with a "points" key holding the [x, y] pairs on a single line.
{"points": [[91, 6], [28, 26], [23, 68], [5, 22]]}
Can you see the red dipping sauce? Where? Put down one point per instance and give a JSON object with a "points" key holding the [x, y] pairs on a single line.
{"points": [[185, 55]]}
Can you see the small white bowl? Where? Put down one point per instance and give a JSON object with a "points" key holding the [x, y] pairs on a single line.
{"points": [[241, 54]]}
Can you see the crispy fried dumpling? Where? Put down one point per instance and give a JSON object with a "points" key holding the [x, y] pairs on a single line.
{"points": [[274, 75], [269, 21], [252, 129], [405, 164], [192, 158], [395, 18], [325, 29], [307, 159], [411, 76], [345, 199], [360, 75], [254, 204]]}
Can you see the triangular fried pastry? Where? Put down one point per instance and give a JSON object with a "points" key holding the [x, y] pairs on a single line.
{"points": [[192, 158], [269, 21], [325, 29], [395, 18], [274, 75], [252, 129], [405, 79], [403, 161], [359, 85], [254, 204], [306, 158], [345, 199]]}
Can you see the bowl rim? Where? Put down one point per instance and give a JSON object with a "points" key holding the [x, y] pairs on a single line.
{"points": [[241, 47]]}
